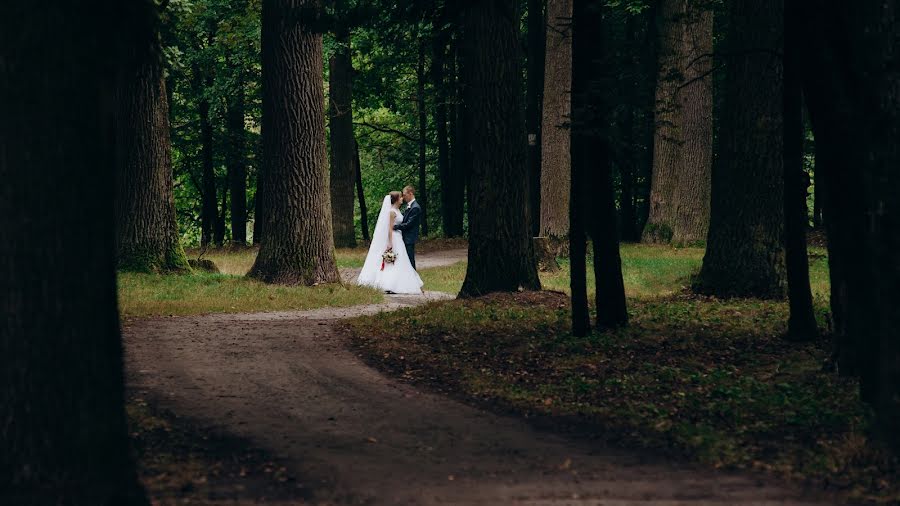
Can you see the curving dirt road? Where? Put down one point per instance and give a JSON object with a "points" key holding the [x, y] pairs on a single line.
{"points": [[287, 382]]}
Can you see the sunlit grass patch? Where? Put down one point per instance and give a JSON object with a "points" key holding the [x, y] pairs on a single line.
{"points": [[238, 261], [199, 293]]}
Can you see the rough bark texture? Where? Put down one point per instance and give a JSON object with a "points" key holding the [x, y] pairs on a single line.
{"points": [[555, 135], [342, 141], [745, 249], [534, 96], [682, 146], [501, 256], [802, 321], [422, 110], [146, 230], [591, 161], [63, 438], [237, 164], [297, 246], [851, 85]]}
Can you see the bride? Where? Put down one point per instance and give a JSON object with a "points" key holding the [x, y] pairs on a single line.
{"points": [[396, 277]]}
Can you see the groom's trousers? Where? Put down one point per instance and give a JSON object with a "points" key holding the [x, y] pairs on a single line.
{"points": [[411, 252]]}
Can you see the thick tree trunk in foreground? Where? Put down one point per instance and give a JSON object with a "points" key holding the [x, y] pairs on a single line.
{"points": [[422, 110], [745, 249], [852, 91], [555, 133], [297, 246], [146, 229], [802, 321], [237, 165], [360, 194], [342, 141], [501, 255], [62, 413], [534, 96], [682, 148], [591, 159]]}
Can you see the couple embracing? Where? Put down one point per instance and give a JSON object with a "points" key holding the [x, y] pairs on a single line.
{"points": [[391, 263]]}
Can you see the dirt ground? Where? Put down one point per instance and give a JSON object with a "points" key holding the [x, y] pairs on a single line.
{"points": [[350, 435]]}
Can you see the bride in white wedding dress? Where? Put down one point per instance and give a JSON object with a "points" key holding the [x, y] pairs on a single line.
{"points": [[397, 277]]}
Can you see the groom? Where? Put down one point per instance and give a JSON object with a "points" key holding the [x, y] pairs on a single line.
{"points": [[410, 224]]}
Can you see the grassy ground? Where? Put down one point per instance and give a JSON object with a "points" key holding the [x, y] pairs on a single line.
{"points": [[704, 378], [142, 295]]}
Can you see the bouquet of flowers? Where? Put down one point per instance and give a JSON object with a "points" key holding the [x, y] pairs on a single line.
{"points": [[388, 257]]}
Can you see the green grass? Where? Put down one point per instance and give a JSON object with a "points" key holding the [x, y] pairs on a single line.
{"points": [[239, 261]]}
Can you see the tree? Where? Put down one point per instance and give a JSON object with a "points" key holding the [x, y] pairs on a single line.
{"points": [[146, 230], [422, 113], [363, 211], [460, 152], [682, 148], [297, 246], [440, 40], [555, 137], [237, 161], [802, 321], [501, 256], [591, 160], [61, 370], [209, 210], [533, 108], [848, 57], [343, 172], [745, 247]]}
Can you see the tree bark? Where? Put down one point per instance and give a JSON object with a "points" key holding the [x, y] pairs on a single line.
{"points": [[591, 160], [555, 134], [342, 141], [682, 148], [745, 250], [802, 320], [220, 218], [629, 163], [360, 194], [854, 104], [297, 246], [501, 256], [422, 193], [237, 163], [208, 212], [146, 229], [460, 157], [534, 96], [62, 403], [438, 80]]}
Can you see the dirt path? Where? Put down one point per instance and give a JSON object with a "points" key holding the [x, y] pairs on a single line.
{"points": [[287, 382]]}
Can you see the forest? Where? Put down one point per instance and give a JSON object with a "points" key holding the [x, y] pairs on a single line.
{"points": [[657, 244]]}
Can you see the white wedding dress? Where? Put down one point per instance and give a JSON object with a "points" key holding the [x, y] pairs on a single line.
{"points": [[398, 277]]}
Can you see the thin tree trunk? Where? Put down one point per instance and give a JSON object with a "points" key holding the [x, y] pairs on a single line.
{"points": [[342, 141], [460, 158], [360, 194], [591, 159], [555, 135], [422, 193], [221, 218], [534, 96], [745, 250], [208, 211], [146, 228], [628, 167], [501, 255], [237, 164], [439, 81], [62, 401], [297, 246], [802, 321]]}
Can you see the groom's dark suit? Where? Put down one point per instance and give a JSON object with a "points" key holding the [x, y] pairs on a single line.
{"points": [[410, 229]]}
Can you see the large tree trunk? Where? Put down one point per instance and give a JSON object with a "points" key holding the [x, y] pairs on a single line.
{"points": [[802, 320], [146, 229], [422, 110], [208, 211], [534, 96], [854, 104], [297, 246], [237, 164], [591, 159], [682, 148], [342, 141], [64, 438], [745, 250], [360, 194], [555, 134], [501, 256]]}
